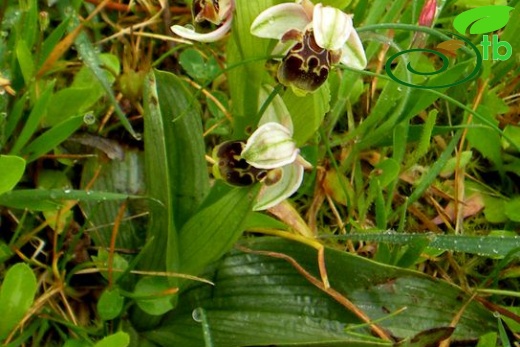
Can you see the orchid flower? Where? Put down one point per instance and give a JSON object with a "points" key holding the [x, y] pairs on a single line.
{"points": [[217, 12], [313, 38], [272, 147], [269, 157]]}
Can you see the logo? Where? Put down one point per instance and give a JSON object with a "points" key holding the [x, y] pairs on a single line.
{"points": [[480, 21]]}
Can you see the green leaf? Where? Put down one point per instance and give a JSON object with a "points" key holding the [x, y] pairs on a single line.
{"points": [[119, 339], [16, 296], [494, 209], [307, 112], [52, 138], [25, 60], [110, 304], [197, 66], [150, 295], [119, 263], [76, 343], [492, 246], [386, 172], [247, 75], [36, 115], [12, 169], [431, 337], [49, 199], [212, 232], [512, 209], [260, 300], [176, 170], [124, 176], [91, 58], [52, 40], [5, 252]]}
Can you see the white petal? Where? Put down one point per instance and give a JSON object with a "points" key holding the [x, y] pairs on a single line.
{"points": [[276, 112], [277, 20], [212, 36], [270, 146], [353, 53], [331, 27], [269, 196]]}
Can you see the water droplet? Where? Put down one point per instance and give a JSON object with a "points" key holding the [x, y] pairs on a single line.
{"points": [[496, 314], [494, 251], [2, 91], [67, 190], [89, 118], [3, 115], [197, 315], [138, 136]]}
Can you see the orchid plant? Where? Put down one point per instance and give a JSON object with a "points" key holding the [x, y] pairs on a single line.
{"points": [[219, 13], [313, 38]]}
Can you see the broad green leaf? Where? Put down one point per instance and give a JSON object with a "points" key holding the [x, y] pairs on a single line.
{"points": [[47, 199], [307, 112], [16, 296], [214, 230], [153, 295], [124, 176], [110, 304], [185, 148], [119, 339], [12, 169], [176, 173], [259, 300]]}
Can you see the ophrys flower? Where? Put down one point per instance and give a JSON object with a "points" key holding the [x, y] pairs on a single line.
{"points": [[313, 38]]}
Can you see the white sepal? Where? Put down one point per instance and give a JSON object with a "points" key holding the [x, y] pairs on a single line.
{"points": [[274, 22]]}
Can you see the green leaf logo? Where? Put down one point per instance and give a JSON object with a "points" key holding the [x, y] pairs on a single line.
{"points": [[482, 20]]}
